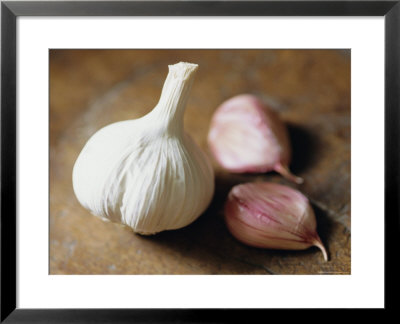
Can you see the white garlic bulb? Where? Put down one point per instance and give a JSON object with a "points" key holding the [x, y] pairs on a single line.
{"points": [[147, 173]]}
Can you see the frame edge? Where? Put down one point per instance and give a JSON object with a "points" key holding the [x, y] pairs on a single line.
{"points": [[392, 146], [8, 162]]}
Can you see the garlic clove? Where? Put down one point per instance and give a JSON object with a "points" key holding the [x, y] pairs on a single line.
{"points": [[245, 136], [270, 215], [147, 173]]}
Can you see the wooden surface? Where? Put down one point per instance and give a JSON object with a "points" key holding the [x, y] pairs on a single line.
{"points": [[309, 88]]}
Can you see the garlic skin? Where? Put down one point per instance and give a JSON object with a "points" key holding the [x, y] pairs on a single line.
{"points": [[272, 216], [245, 136], [147, 173]]}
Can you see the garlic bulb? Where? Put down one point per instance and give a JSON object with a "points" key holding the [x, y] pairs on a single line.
{"points": [[274, 216], [147, 173], [246, 136]]}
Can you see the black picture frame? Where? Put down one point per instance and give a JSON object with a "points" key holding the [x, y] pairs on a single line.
{"points": [[10, 10]]}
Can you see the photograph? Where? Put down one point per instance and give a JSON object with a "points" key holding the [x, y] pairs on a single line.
{"points": [[200, 161], [221, 159]]}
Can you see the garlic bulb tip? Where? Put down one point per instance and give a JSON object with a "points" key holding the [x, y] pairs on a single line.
{"points": [[319, 245], [287, 174]]}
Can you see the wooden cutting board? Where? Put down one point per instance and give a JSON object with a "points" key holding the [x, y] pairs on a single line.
{"points": [[310, 89]]}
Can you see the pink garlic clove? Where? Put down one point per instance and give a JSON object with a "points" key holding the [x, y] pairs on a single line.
{"points": [[246, 136], [273, 216]]}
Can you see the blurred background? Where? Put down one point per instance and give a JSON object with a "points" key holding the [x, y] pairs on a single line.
{"points": [[310, 89]]}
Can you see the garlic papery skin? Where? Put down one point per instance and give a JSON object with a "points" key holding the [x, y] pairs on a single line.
{"points": [[246, 136], [272, 216], [147, 173]]}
